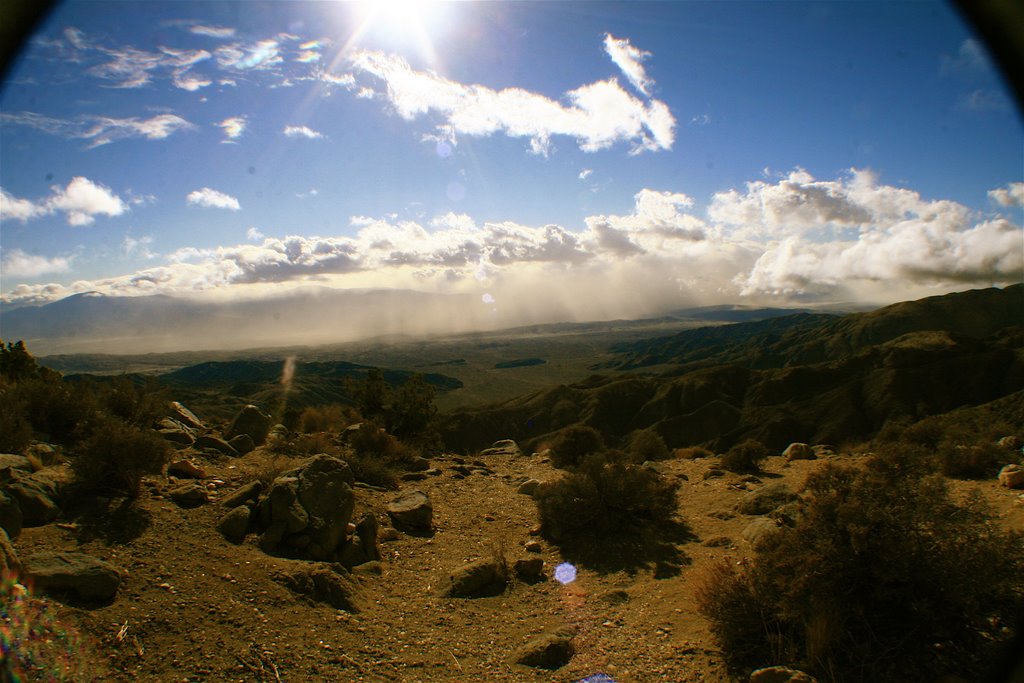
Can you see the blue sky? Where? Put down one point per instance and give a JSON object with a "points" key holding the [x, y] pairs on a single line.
{"points": [[669, 153]]}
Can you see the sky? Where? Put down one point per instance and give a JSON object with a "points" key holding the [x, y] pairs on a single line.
{"points": [[652, 154]]}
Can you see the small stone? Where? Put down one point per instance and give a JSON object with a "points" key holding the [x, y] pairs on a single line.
{"points": [[529, 569], [185, 469], [1012, 476], [411, 509], [189, 496], [780, 674], [245, 494], [234, 524], [549, 651], [528, 487], [798, 451], [532, 546], [486, 576]]}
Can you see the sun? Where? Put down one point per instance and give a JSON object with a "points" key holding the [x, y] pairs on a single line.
{"points": [[400, 24]]}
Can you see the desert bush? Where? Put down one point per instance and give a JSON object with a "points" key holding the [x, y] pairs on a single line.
{"points": [[745, 456], [328, 418], [647, 444], [970, 460], [15, 427], [116, 456], [412, 411], [59, 411], [883, 578], [136, 402], [693, 453], [372, 470], [572, 444], [270, 468], [602, 498]]}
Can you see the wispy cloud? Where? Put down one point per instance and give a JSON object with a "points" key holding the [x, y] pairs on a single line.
{"points": [[263, 54], [80, 201], [101, 130], [212, 31], [586, 173], [630, 61], [302, 132], [16, 263], [212, 199], [233, 127], [600, 114]]}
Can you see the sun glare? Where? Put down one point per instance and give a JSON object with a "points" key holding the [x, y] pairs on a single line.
{"points": [[400, 24]]}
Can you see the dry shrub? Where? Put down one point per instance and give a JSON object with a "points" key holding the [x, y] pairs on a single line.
{"points": [[572, 444], [15, 427], [647, 444], [330, 418], [693, 453], [745, 456], [604, 498], [883, 578], [378, 456], [116, 457], [270, 468]]}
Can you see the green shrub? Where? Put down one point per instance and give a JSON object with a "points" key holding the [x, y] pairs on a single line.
{"points": [[648, 445], [883, 578], [602, 498], [412, 411], [746, 456], [134, 401], [116, 457], [572, 444]]}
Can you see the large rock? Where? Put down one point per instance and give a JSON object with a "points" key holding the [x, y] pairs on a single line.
{"points": [[503, 447], [9, 563], [799, 451], [246, 494], [765, 499], [549, 651], [10, 515], [91, 579], [486, 576], [209, 442], [307, 510], [1012, 477], [185, 416], [363, 546], [34, 494], [412, 510], [235, 524], [780, 674], [322, 582], [18, 462], [252, 421], [185, 469], [242, 443], [189, 496]]}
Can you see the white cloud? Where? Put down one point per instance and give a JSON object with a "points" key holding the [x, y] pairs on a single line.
{"points": [[212, 31], [302, 132], [253, 234], [138, 248], [17, 263], [233, 127], [212, 199], [600, 114], [1011, 195], [102, 130], [970, 57], [586, 173], [630, 61], [261, 55], [81, 201]]}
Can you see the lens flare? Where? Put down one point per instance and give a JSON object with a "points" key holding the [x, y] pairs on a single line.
{"points": [[565, 573]]}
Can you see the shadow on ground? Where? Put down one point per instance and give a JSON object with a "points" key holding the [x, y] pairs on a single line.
{"points": [[115, 522], [631, 549]]}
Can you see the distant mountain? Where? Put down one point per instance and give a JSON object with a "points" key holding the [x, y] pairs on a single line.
{"points": [[796, 378]]}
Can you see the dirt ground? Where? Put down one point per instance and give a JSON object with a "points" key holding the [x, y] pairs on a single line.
{"points": [[194, 607]]}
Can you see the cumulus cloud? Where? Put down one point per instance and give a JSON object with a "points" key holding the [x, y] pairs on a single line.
{"points": [[233, 127], [101, 130], [630, 61], [598, 116], [1011, 195], [212, 199], [302, 132], [80, 201], [16, 263]]}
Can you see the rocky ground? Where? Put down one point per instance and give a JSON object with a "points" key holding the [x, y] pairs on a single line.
{"points": [[194, 607]]}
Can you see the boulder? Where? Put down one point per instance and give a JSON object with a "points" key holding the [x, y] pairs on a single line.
{"points": [[412, 510], [235, 524], [528, 487], [529, 569], [243, 444], [185, 416], [252, 421], [798, 451], [185, 469], [322, 582], [177, 437], [91, 579], [549, 651], [1012, 442], [780, 674], [280, 512], [486, 576], [502, 447], [765, 499], [47, 454], [246, 494], [9, 563], [189, 496], [34, 495], [214, 443], [10, 515], [1012, 477], [760, 531]]}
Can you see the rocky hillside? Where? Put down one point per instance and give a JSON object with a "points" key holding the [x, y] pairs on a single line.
{"points": [[802, 377]]}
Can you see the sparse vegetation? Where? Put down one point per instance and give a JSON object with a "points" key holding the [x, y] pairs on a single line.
{"points": [[604, 498], [647, 444], [327, 418], [571, 445], [745, 456], [693, 453], [883, 578], [116, 456]]}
